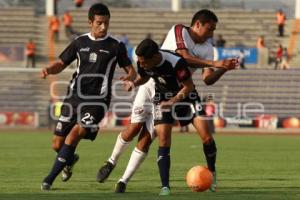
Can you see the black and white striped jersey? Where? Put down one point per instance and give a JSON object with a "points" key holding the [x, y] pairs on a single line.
{"points": [[96, 62]]}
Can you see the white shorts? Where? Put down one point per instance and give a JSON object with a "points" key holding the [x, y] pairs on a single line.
{"points": [[142, 108]]}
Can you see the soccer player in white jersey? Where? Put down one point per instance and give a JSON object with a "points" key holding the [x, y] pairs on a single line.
{"points": [[191, 43]]}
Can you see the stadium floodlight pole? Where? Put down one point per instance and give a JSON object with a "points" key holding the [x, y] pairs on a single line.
{"points": [[176, 5], [50, 7], [297, 9]]}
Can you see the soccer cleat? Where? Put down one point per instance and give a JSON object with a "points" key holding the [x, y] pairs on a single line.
{"points": [[213, 187], [67, 171], [104, 171], [165, 191], [45, 186], [120, 187]]}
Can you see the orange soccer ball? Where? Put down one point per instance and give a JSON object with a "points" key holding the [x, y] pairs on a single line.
{"points": [[199, 178]]}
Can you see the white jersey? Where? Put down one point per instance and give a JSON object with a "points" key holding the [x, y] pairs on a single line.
{"points": [[177, 38]]}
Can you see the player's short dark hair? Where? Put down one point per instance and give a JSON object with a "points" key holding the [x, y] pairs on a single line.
{"points": [[98, 9], [204, 16], [147, 48]]}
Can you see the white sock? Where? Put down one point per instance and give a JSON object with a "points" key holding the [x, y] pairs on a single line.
{"points": [[136, 159], [119, 148]]}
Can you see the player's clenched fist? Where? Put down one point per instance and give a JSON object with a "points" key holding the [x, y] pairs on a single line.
{"points": [[128, 85], [228, 64]]}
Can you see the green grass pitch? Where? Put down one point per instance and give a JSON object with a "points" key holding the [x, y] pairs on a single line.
{"points": [[265, 167]]}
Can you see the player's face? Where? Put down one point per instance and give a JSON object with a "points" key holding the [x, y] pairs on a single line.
{"points": [[206, 31], [146, 63], [99, 26]]}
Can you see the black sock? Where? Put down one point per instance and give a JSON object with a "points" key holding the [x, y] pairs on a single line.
{"points": [[65, 155], [164, 163], [69, 162], [210, 151]]}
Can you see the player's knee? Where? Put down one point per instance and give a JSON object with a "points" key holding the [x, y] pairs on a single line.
{"points": [[144, 145], [210, 148], [56, 146], [164, 141], [125, 135], [57, 143], [207, 139], [143, 148], [132, 131]]}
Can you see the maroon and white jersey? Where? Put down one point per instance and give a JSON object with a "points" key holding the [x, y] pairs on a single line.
{"points": [[179, 38]]}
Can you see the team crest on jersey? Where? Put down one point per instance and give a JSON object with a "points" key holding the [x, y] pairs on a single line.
{"points": [[93, 57], [162, 81]]}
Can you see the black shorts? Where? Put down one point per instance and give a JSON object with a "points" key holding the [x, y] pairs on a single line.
{"points": [[184, 111], [86, 113]]}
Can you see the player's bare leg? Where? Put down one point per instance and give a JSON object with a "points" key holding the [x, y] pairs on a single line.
{"points": [[122, 142], [209, 147]]}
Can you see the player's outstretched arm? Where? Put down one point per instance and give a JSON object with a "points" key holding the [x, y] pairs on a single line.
{"points": [[196, 62], [54, 68], [210, 76]]}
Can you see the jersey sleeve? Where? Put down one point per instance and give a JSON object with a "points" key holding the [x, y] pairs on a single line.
{"points": [[175, 38], [180, 44], [122, 56], [181, 70], [69, 54]]}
